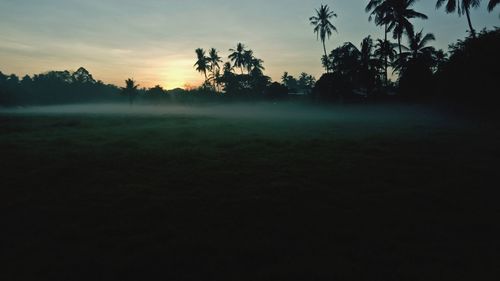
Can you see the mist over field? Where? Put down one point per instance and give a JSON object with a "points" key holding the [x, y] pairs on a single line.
{"points": [[257, 111]]}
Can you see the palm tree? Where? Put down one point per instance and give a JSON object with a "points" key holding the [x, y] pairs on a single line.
{"points": [[202, 64], [417, 48], [284, 78], [238, 56], [130, 90], [322, 25], [492, 4], [214, 59], [369, 65], [379, 9], [418, 43], [385, 51], [257, 65], [398, 19], [462, 8], [247, 60], [216, 78]]}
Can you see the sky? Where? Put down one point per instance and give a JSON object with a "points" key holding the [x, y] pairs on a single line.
{"points": [[153, 41]]}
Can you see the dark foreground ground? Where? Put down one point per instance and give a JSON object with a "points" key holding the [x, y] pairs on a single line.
{"points": [[169, 197]]}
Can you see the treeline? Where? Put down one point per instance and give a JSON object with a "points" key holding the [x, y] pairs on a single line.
{"points": [[242, 75], [465, 75], [55, 87], [409, 69]]}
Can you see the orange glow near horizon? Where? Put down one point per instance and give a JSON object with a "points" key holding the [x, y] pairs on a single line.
{"points": [[169, 73]]}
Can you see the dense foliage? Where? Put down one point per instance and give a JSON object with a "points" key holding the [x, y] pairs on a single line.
{"points": [[55, 87]]}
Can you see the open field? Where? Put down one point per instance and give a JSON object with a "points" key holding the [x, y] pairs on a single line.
{"points": [[248, 193]]}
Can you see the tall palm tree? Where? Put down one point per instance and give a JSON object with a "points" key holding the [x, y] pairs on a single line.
{"points": [[202, 63], [385, 51], [398, 19], [238, 56], [214, 60], [417, 48], [379, 9], [323, 28], [463, 7]]}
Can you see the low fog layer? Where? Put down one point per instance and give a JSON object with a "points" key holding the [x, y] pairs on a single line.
{"points": [[264, 111]]}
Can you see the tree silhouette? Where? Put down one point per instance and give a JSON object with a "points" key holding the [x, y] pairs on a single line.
{"points": [[463, 7], [379, 9], [82, 76], [248, 60], [398, 18], [238, 56], [323, 28], [369, 65], [214, 60], [202, 63], [385, 51], [417, 49], [284, 78], [306, 82], [257, 65], [130, 90], [290, 82], [492, 4], [415, 65]]}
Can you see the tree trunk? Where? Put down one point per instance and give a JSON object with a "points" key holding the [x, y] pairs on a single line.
{"points": [[399, 44], [472, 31], [326, 56], [385, 60]]}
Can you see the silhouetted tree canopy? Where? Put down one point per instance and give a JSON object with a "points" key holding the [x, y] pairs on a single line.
{"points": [[55, 87], [470, 76]]}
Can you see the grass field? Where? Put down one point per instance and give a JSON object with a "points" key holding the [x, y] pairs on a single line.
{"points": [[399, 193]]}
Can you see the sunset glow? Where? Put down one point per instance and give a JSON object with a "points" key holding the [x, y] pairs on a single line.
{"points": [[153, 42]]}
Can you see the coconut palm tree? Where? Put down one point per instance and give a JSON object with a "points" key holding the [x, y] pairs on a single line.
{"points": [[238, 56], [418, 43], [216, 77], [492, 4], [398, 19], [379, 9], [385, 51], [247, 60], [369, 65], [257, 65], [462, 7], [130, 90], [214, 60], [202, 63], [417, 48], [323, 28]]}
